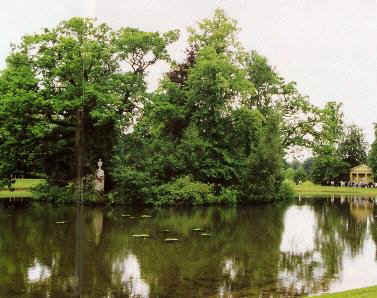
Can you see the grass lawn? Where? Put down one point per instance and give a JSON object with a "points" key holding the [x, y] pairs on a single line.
{"points": [[27, 183], [309, 189], [22, 189], [16, 194], [370, 292]]}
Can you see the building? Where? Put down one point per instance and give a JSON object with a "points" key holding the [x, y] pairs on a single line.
{"points": [[361, 174]]}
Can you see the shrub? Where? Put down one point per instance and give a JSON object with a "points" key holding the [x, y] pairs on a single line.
{"points": [[183, 190], [66, 194]]}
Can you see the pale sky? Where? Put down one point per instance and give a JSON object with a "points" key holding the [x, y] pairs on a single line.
{"points": [[329, 47]]}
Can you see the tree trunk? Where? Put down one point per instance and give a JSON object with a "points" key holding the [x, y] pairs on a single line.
{"points": [[79, 152]]}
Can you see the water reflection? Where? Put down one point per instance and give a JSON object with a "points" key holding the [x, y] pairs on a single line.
{"points": [[38, 272], [299, 230], [230, 269], [285, 250], [128, 272], [361, 209]]}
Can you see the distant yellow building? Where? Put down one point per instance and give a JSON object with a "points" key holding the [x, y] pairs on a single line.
{"points": [[361, 174]]}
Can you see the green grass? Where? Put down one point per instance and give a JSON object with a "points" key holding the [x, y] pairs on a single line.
{"points": [[15, 194], [22, 188], [370, 292], [309, 189], [27, 183]]}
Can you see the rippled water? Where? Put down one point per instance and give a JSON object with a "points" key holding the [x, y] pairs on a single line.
{"points": [[285, 250]]}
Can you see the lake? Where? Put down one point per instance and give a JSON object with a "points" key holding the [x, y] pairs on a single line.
{"points": [[277, 250]]}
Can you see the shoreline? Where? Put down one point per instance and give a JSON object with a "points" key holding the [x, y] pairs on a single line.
{"points": [[306, 189], [368, 292], [310, 189]]}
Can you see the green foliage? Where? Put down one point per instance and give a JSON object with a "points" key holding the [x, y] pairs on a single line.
{"points": [[372, 157], [299, 118], [53, 193], [308, 166], [212, 86], [8, 182], [353, 148], [219, 32], [295, 164], [215, 130], [328, 162], [262, 177], [57, 194], [328, 166], [286, 192], [197, 142], [338, 149], [289, 173], [332, 130], [64, 92], [184, 190]]}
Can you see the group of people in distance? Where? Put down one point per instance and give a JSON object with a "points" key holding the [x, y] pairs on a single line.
{"points": [[353, 184]]}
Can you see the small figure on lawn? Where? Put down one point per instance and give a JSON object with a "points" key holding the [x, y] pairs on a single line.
{"points": [[10, 182]]}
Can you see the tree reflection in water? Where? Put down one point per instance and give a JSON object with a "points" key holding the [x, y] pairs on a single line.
{"points": [[281, 250]]}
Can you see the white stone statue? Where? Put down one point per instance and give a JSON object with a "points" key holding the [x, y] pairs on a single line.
{"points": [[99, 184]]}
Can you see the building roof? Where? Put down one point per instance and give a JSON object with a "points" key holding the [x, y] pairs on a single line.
{"points": [[362, 167]]}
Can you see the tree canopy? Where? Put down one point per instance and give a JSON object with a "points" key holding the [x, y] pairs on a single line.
{"points": [[63, 92], [216, 129], [339, 148]]}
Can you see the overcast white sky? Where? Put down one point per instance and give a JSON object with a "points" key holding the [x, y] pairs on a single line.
{"points": [[329, 47]]}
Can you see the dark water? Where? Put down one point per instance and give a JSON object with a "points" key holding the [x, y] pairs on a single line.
{"points": [[285, 250]]}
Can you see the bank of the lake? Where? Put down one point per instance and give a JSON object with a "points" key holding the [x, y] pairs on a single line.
{"points": [[370, 292], [309, 189], [22, 188]]}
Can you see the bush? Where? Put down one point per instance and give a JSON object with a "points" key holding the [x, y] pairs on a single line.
{"points": [[286, 191], [52, 193], [183, 190], [228, 195], [65, 194], [289, 174]]}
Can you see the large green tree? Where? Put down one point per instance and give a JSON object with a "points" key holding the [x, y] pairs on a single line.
{"points": [[196, 134], [338, 147], [353, 148], [327, 163], [299, 118], [67, 92]]}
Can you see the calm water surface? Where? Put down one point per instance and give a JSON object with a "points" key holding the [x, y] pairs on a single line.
{"points": [[285, 250]]}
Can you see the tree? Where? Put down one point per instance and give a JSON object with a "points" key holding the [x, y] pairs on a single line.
{"points": [[372, 157], [295, 164], [353, 148], [219, 32], [299, 118], [65, 96], [197, 137], [328, 166], [327, 163], [332, 125], [308, 166]]}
